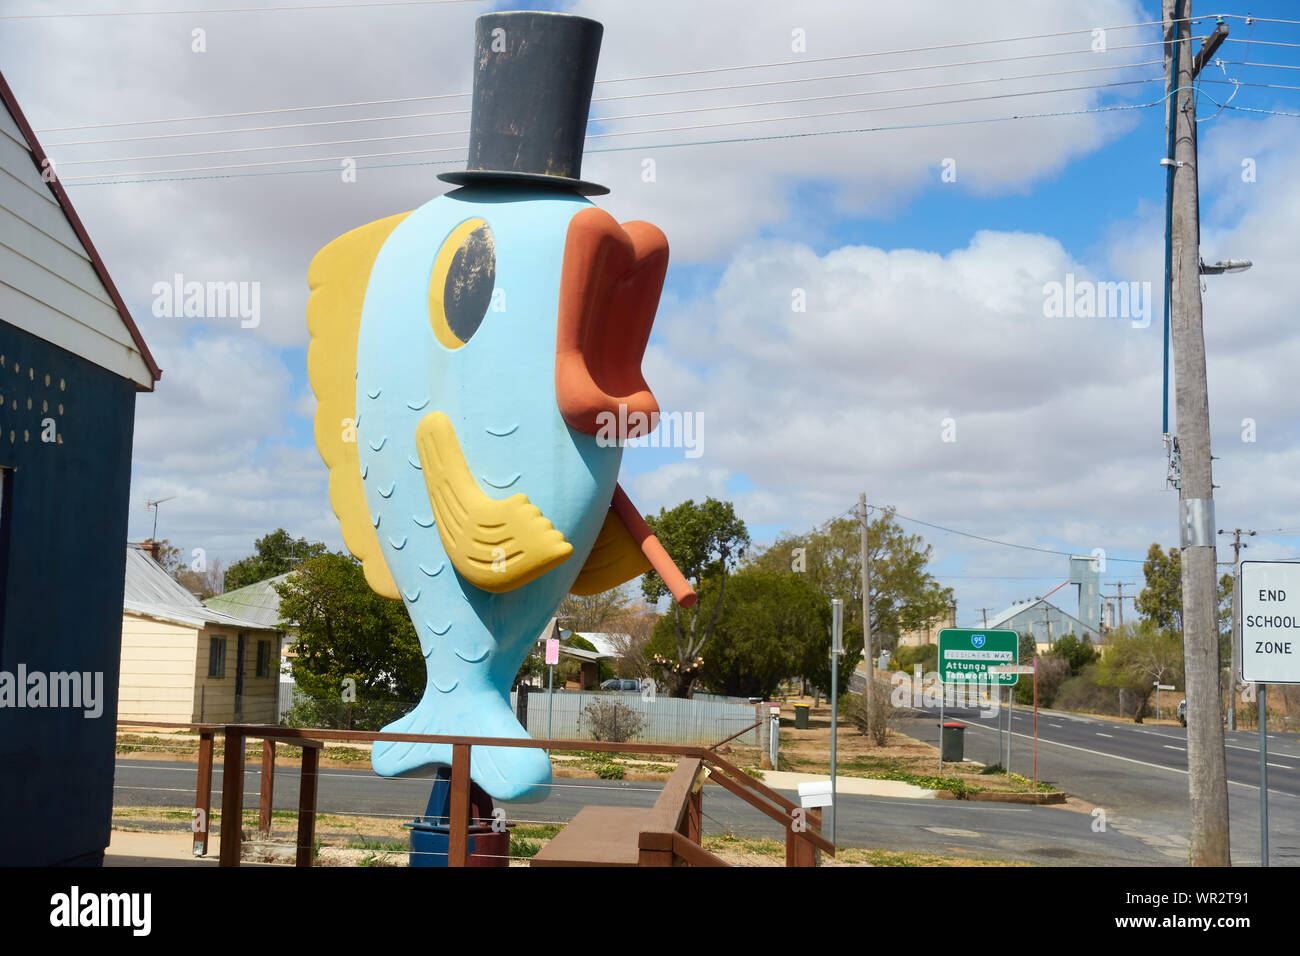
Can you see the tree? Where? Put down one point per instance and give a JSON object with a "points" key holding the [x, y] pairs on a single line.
{"points": [[204, 583], [1140, 656], [904, 595], [1161, 600], [771, 623], [706, 541], [168, 555], [591, 612], [200, 579], [1078, 654], [346, 631], [1225, 620], [630, 634], [273, 554]]}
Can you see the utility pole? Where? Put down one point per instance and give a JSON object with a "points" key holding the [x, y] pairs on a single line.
{"points": [[1236, 605], [1207, 777], [866, 606], [1119, 597], [985, 612]]}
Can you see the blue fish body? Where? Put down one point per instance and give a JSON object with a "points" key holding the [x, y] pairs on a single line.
{"points": [[499, 392]]}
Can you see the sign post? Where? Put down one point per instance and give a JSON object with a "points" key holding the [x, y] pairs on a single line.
{"points": [[1015, 670], [971, 656], [1270, 649], [1159, 687], [837, 648], [552, 658]]}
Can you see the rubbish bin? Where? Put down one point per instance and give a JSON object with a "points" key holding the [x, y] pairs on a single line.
{"points": [[952, 744], [801, 716], [431, 833]]}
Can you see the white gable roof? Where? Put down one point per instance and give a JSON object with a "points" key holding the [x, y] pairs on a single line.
{"points": [[53, 284], [152, 592]]}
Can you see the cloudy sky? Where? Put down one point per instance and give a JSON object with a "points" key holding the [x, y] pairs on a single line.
{"points": [[856, 298]]}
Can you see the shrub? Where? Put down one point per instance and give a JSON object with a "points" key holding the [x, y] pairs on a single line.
{"points": [[927, 655], [612, 721], [1084, 694], [1052, 673], [1078, 653], [874, 723], [331, 713]]}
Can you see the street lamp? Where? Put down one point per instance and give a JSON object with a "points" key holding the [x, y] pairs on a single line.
{"points": [[1225, 265]]}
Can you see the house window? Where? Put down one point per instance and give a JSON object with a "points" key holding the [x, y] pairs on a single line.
{"points": [[263, 658], [217, 657]]}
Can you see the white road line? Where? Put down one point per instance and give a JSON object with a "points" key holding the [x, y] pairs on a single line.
{"points": [[1171, 747], [1281, 766], [1053, 725], [1100, 734], [1144, 763]]}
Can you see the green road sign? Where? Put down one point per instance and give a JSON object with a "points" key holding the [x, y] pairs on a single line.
{"points": [[965, 656]]}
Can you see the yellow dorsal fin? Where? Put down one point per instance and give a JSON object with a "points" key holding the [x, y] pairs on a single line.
{"points": [[338, 277], [614, 558]]}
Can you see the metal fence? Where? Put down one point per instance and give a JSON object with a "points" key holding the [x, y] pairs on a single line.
{"points": [[289, 695], [704, 719]]}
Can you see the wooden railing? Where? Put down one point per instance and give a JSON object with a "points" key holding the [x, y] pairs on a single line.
{"points": [[669, 833]]}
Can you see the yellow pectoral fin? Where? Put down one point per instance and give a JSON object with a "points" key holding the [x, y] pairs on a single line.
{"points": [[615, 557], [495, 545]]}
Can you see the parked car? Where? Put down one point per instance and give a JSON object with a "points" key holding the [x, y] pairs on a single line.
{"points": [[1182, 711], [625, 684]]}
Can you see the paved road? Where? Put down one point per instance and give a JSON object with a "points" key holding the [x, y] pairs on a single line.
{"points": [[1048, 835], [1138, 775]]}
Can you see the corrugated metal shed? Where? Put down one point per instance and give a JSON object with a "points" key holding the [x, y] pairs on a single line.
{"points": [[1028, 617], [604, 642], [152, 592], [255, 602]]}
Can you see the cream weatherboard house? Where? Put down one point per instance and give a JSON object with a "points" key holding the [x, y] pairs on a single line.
{"points": [[184, 661]]}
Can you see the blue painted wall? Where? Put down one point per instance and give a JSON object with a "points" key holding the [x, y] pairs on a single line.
{"points": [[61, 568]]}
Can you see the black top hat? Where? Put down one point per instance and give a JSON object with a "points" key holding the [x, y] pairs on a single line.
{"points": [[532, 90]]}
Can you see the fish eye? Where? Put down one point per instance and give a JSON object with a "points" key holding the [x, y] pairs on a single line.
{"points": [[460, 288]]}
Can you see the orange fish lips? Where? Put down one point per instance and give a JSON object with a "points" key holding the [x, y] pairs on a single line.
{"points": [[609, 291]]}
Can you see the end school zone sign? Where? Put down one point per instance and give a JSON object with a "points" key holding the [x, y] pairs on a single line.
{"points": [[1270, 622]]}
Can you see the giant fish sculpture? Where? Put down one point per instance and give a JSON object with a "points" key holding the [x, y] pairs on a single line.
{"points": [[471, 360]]}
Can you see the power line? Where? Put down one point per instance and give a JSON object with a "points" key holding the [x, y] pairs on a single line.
{"points": [[1260, 42], [1006, 544], [670, 129], [611, 119], [625, 79], [1268, 66], [600, 119], [214, 10], [154, 177]]}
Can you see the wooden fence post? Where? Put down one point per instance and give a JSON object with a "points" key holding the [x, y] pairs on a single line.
{"points": [[203, 795], [307, 787], [458, 841], [232, 797], [268, 790]]}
